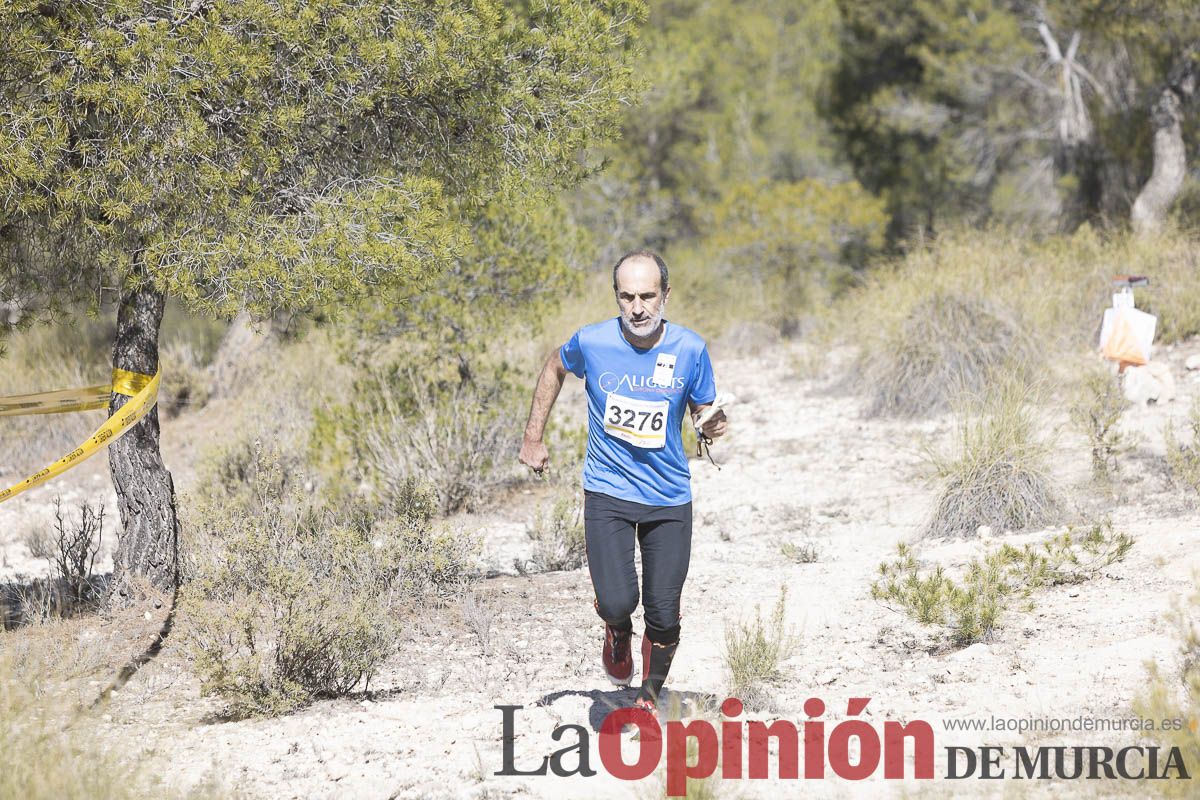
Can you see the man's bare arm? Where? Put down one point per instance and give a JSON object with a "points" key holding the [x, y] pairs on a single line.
{"points": [[533, 450]]}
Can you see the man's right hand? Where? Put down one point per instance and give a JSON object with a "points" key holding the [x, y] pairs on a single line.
{"points": [[534, 455]]}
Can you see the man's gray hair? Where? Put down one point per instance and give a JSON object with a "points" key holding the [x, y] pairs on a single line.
{"points": [[649, 254]]}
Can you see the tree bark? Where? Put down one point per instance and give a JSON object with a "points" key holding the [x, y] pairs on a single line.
{"points": [[1170, 157], [148, 545]]}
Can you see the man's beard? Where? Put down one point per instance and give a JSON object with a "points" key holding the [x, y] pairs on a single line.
{"points": [[648, 327]]}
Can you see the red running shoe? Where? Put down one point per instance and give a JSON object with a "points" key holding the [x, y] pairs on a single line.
{"points": [[647, 704], [618, 660]]}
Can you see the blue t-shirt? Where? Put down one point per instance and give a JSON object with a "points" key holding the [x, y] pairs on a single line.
{"points": [[636, 402]]}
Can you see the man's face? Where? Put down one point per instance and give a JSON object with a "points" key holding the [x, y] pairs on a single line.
{"points": [[640, 297]]}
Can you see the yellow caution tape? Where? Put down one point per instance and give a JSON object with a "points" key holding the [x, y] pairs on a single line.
{"points": [[130, 383], [86, 399], [89, 398], [143, 389]]}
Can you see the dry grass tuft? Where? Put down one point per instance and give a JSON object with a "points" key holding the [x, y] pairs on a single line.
{"points": [[956, 304], [50, 749], [949, 342], [996, 476], [1177, 696], [755, 651]]}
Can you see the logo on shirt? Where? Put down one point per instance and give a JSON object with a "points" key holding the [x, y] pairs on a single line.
{"points": [[611, 382]]}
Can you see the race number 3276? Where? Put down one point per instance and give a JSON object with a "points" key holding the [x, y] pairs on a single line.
{"points": [[642, 423]]}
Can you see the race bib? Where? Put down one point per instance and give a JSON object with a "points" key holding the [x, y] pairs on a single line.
{"points": [[642, 423]]}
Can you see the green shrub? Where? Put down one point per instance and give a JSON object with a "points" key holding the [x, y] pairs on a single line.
{"points": [[287, 602], [996, 475], [1095, 412], [1177, 696], [557, 534], [971, 608], [229, 473], [755, 651], [788, 241], [428, 561]]}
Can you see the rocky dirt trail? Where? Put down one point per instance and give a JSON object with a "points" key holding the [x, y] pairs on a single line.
{"points": [[801, 465]]}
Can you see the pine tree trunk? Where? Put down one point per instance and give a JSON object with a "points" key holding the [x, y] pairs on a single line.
{"points": [[1170, 157], [148, 546]]}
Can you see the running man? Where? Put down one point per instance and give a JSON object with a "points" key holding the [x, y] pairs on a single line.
{"points": [[640, 372]]}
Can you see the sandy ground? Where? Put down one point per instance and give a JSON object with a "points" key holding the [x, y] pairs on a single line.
{"points": [[800, 465]]}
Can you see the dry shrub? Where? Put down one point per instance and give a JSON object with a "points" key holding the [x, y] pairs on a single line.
{"points": [[557, 534], [288, 601], [996, 476], [1095, 411], [228, 471], [185, 379], [480, 616], [557, 530], [1183, 459], [70, 549], [804, 552], [951, 310], [457, 435], [970, 608], [1177, 696]]}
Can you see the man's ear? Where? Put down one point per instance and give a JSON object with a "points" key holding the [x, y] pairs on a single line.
{"points": [[666, 295]]}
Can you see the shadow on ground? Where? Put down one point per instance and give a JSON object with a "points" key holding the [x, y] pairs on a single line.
{"points": [[674, 705]]}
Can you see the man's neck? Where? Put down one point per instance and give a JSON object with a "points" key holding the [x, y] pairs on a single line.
{"points": [[647, 341]]}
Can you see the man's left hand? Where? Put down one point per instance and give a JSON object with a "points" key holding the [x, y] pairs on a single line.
{"points": [[716, 425]]}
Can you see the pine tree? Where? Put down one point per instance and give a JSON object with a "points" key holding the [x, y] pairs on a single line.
{"points": [[272, 154]]}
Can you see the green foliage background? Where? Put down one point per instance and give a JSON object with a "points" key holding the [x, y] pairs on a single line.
{"points": [[274, 154], [431, 183]]}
